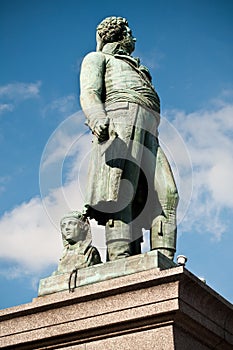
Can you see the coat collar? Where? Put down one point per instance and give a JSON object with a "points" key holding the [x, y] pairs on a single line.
{"points": [[116, 50]]}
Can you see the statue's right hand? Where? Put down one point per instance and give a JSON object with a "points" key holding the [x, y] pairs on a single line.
{"points": [[101, 131]]}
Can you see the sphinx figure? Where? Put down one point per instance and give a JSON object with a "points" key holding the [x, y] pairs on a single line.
{"points": [[78, 251]]}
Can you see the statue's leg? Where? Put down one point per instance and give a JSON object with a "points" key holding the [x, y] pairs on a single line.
{"points": [[164, 230], [138, 221], [135, 246], [118, 239]]}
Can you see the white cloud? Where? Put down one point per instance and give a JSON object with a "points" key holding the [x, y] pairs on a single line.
{"points": [[61, 142], [20, 91], [14, 93], [4, 107], [151, 59], [27, 237], [208, 137], [64, 105], [30, 235]]}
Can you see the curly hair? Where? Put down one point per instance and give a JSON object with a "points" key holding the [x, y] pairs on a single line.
{"points": [[112, 29]]}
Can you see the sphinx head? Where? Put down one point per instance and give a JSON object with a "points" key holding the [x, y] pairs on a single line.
{"points": [[74, 227]]}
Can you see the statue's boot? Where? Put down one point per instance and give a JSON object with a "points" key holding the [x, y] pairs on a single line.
{"points": [[118, 238], [163, 236]]}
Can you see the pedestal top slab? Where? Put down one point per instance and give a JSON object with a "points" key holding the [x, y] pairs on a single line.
{"points": [[105, 271]]}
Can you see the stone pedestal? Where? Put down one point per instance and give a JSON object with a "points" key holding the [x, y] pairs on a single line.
{"points": [[106, 271], [151, 309]]}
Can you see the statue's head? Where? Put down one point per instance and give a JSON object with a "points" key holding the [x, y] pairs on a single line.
{"points": [[115, 29], [74, 227]]}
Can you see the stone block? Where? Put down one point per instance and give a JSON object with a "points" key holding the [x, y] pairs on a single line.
{"points": [[105, 271], [151, 309]]}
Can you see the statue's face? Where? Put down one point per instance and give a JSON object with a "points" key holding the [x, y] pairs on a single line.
{"points": [[71, 230], [129, 41], [130, 35]]}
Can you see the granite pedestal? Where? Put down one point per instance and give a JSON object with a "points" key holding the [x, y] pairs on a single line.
{"points": [[150, 309]]}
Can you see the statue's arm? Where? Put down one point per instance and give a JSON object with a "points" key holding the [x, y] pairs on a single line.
{"points": [[92, 88]]}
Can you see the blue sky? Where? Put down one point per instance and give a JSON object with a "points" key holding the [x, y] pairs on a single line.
{"points": [[187, 45]]}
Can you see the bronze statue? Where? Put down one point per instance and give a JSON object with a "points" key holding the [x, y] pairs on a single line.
{"points": [[78, 251], [130, 182]]}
